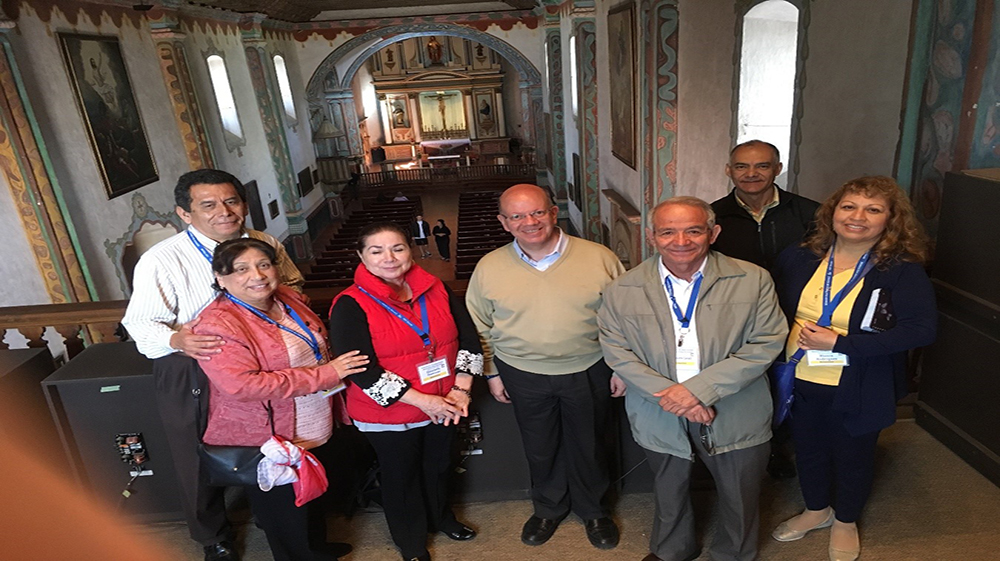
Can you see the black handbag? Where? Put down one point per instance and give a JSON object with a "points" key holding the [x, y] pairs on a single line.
{"points": [[229, 466]]}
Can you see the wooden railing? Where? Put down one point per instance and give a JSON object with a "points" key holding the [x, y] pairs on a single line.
{"points": [[81, 324], [438, 176]]}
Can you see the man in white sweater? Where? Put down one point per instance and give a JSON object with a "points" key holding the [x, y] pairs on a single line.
{"points": [[535, 305]]}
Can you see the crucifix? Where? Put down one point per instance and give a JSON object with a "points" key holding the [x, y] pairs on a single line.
{"points": [[441, 96]]}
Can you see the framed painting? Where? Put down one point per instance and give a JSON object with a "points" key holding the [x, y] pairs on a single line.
{"points": [[621, 50], [110, 113]]}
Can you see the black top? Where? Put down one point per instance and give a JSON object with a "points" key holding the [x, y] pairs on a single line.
{"points": [[442, 231], [349, 331], [784, 225]]}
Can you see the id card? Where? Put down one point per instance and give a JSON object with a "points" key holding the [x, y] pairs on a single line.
{"points": [[826, 358], [687, 364], [336, 389], [432, 371]]}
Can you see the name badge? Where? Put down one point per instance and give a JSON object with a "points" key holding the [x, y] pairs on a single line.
{"points": [[687, 364], [826, 358], [336, 389], [432, 371]]}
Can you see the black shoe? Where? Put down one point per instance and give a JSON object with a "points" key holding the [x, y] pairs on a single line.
{"points": [[537, 530], [463, 533], [425, 557], [602, 532], [336, 549], [222, 551], [780, 466]]}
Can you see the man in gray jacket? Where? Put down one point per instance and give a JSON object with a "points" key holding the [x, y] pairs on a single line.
{"points": [[691, 332]]}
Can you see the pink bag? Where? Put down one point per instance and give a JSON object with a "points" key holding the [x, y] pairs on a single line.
{"points": [[312, 479]]}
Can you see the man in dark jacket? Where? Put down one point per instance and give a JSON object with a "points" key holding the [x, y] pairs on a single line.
{"points": [[759, 221]]}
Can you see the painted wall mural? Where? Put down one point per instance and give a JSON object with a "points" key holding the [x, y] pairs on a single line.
{"points": [[942, 105]]}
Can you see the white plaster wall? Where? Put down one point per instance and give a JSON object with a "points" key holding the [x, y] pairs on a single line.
{"points": [[252, 161], [705, 94], [854, 92], [298, 135], [17, 262], [46, 79], [364, 94], [614, 173]]}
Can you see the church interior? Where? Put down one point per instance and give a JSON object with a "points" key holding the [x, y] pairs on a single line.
{"points": [[328, 110]]}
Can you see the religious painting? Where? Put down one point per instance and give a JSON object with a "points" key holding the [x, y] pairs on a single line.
{"points": [[110, 113], [621, 51], [399, 114], [486, 114]]}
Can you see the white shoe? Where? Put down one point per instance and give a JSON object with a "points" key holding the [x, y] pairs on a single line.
{"points": [[784, 533]]}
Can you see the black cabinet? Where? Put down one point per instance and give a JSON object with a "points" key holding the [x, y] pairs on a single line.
{"points": [[960, 376]]}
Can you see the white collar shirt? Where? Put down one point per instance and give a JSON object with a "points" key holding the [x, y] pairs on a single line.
{"points": [[687, 362], [171, 285], [547, 261]]}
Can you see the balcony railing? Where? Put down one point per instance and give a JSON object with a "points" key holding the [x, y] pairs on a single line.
{"points": [[451, 175], [84, 323]]}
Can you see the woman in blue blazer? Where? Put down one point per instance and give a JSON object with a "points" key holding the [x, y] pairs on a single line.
{"points": [[857, 299]]}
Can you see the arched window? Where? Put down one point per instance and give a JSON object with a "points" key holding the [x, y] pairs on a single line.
{"points": [[574, 88], [767, 75], [224, 96], [284, 86]]}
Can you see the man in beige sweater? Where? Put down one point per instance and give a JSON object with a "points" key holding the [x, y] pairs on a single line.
{"points": [[535, 304]]}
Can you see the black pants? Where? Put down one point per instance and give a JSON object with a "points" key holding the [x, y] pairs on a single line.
{"points": [[174, 377], [415, 469], [835, 468], [444, 246], [293, 533], [564, 425]]}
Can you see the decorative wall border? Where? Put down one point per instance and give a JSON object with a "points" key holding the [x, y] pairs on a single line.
{"points": [[658, 106], [585, 30], [28, 172], [553, 45]]}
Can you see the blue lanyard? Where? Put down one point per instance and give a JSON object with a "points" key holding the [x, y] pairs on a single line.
{"points": [[830, 304], [200, 246], [423, 331], [310, 340], [685, 318]]}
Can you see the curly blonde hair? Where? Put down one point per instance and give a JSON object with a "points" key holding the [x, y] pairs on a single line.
{"points": [[903, 238]]}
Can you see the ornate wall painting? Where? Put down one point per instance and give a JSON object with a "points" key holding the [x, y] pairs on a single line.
{"points": [[621, 52], [107, 101], [486, 115]]}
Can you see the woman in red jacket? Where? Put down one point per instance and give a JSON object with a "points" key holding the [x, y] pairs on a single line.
{"points": [[275, 355], [423, 350]]}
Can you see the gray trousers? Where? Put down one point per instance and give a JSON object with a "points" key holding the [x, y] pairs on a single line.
{"points": [[738, 478]]}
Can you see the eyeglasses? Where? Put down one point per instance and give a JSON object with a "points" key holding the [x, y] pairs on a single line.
{"points": [[536, 214]]}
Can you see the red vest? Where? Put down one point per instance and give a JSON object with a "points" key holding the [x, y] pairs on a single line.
{"points": [[398, 347]]}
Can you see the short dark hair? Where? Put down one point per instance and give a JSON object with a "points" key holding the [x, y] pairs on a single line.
{"points": [[755, 142], [378, 227], [182, 191], [227, 252]]}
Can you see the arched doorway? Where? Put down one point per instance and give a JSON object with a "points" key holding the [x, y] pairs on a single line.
{"points": [[332, 104]]}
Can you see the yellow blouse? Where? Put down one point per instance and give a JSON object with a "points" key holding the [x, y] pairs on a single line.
{"points": [[810, 308]]}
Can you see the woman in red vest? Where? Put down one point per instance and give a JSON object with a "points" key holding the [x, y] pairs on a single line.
{"points": [[424, 350]]}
